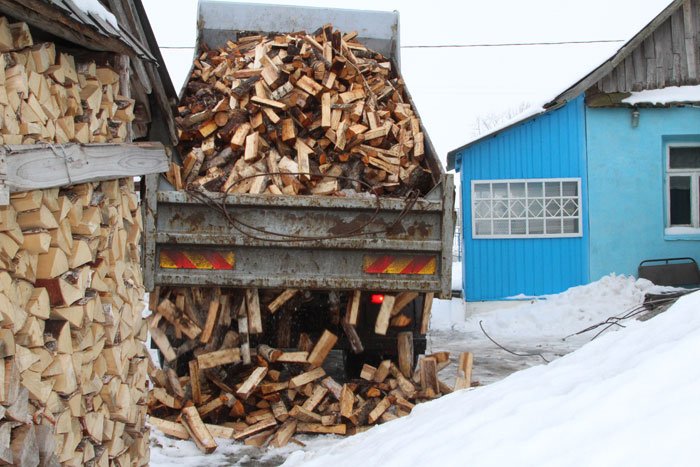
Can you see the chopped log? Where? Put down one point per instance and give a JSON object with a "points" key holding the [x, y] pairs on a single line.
{"points": [[347, 401], [352, 336], [194, 382], [304, 415], [281, 299], [252, 382], [405, 352], [425, 317], [464, 371], [306, 378], [428, 375], [268, 353], [284, 434], [218, 358], [181, 321], [353, 308], [254, 317], [293, 357], [315, 398], [257, 428], [320, 428], [368, 372], [212, 317], [402, 300], [322, 348], [197, 431], [379, 410], [382, 323]]}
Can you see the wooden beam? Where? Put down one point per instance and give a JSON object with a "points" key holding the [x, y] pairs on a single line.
{"points": [[37, 166]]}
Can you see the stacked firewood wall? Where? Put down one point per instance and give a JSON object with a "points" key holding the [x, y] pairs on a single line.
{"points": [[73, 366], [46, 96]]}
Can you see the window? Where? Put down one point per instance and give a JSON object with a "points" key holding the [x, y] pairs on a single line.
{"points": [[683, 183], [529, 208]]}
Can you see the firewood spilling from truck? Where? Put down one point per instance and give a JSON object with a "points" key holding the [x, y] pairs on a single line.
{"points": [[217, 383], [296, 114]]}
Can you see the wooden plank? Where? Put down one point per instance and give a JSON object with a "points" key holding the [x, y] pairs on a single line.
{"points": [[352, 311], [304, 415], [252, 300], [690, 40], [284, 434], [194, 382], [218, 358], [464, 371], [281, 299], [196, 429], [257, 428], [37, 166], [319, 428], [252, 382], [293, 357], [174, 429], [428, 377], [382, 323], [347, 401], [405, 352], [322, 348], [307, 377], [377, 412], [212, 317], [315, 398], [352, 336], [425, 317]]}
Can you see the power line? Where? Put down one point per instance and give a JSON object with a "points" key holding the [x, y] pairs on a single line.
{"points": [[464, 46], [511, 44]]}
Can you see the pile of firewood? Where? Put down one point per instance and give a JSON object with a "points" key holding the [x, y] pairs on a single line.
{"points": [[215, 385], [73, 376], [46, 96], [298, 114]]}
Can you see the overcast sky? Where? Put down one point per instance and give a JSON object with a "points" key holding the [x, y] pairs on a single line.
{"points": [[453, 86]]}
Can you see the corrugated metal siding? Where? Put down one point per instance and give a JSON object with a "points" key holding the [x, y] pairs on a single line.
{"points": [[549, 146]]}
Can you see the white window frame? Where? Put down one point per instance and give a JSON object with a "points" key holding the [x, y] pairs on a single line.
{"points": [[694, 175], [577, 217]]}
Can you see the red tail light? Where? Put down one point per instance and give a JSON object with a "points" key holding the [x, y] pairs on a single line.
{"points": [[377, 299]]}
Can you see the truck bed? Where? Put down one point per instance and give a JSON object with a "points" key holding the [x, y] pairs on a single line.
{"points": [[313, 242]]}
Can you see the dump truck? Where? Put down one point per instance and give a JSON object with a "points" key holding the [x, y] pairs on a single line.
{"points": [[330, 249]]}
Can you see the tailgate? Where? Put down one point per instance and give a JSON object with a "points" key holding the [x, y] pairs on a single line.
{"points": [[312, 242]]}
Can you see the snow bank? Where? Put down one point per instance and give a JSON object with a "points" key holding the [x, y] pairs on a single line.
{"points": [[627, 398], [553, 315]]}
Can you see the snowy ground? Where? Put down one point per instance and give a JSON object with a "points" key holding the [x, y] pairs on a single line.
{"points": [[588, 408]]}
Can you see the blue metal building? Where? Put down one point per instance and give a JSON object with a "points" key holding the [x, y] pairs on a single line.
{"points": [[604, 176]]}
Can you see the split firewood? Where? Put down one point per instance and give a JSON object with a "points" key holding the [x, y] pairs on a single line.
{"points": [[306, 103]]}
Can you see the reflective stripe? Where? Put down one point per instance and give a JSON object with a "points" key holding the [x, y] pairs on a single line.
{"points": [[175, 259], [390, 264]]}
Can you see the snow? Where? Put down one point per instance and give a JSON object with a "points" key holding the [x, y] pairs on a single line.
{"points": [[96, 8], [626, 398], [597, 403], [664, 96]]}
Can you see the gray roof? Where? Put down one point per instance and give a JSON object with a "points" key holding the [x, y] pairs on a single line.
{"points": [[64, 19]]}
